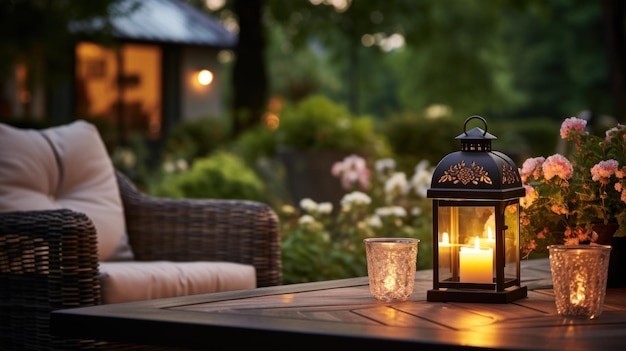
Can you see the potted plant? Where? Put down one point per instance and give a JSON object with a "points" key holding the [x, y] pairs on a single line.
{"points": [[572, 197], [313, 134]]}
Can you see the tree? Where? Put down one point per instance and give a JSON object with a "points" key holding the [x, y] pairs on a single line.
{"points": [[531, 58], [249, 72], [36, 32], [559, 65], [615, 41]]}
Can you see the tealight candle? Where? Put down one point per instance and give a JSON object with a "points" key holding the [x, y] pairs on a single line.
{"points": [[577, 296], [476, 265], [391, 267]]}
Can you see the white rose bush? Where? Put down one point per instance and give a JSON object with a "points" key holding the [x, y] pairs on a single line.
{"points": [[322, 241]]}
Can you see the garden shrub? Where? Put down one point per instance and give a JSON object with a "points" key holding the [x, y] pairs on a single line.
{"points": [[414, 137], [319, 124], [255, 143], [521, 138], [222, 175], [193, 138], [320, 242]]}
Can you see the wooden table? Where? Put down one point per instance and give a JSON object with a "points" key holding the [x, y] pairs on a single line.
{"points": [[342, 315]]}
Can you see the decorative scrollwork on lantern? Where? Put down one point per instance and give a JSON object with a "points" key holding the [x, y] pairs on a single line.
{"points": [[461, 173], [509, 175]]}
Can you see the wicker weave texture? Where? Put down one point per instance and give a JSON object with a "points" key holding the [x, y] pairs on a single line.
{"points": [[203, 230], [49, 261]]}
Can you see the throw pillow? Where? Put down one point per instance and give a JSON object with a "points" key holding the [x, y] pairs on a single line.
{"points": [[64, 167]]}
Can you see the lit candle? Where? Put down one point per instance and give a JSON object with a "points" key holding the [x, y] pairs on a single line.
{"points": [[390, 285], [577, 296], [444, 251], [476, 265]]}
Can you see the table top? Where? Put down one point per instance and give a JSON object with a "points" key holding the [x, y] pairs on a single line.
{"points": [[342, 314]]}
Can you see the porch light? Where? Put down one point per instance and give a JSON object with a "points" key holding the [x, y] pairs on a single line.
{"points": [[476, 194], [205, 77]]}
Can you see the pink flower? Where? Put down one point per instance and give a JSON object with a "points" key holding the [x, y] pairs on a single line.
{"points": [[603, 170], [574, 236], [352, 170], [572, 124], [609, 133], [559, 209], [559, 166], [530, 168]]}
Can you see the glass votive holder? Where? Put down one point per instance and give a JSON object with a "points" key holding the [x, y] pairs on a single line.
{"points": [[391, 264], [579, 275]]}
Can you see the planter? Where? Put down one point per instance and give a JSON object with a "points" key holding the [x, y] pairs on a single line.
{"points": [[308, 175], [617, 263]]}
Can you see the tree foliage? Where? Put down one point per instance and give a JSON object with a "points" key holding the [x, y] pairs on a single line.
{"points": [[37, 33], [504, 59]]}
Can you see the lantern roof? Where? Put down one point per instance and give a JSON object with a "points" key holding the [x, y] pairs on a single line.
{"points": [[476, 171]]}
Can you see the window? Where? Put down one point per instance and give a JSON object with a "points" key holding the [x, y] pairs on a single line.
{"points": [[121, 87]]}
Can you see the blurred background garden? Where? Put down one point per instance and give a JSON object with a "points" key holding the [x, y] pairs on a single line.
{"points": [[335, 111]]}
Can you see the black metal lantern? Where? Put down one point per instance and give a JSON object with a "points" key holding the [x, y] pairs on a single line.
{"points": [[476, 194]]}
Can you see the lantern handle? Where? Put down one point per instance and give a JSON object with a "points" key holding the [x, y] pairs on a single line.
{"points": [[477, 117]]}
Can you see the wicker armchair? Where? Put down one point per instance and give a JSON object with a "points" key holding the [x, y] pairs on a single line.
{"points": [[48, 259]]}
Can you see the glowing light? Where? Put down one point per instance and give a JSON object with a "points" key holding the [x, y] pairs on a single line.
{"points": [[271, 120], [368, 40], [577, 296], [476, 264], [389, 282], [394, 41], [225, 56], [215, 5], [205, 77], [445, 240]]}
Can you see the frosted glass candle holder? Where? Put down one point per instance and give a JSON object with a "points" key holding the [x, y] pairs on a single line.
{"points": [[391, 267], [579, 275]]}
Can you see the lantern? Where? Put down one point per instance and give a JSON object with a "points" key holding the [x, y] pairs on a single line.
{"points": [[476, 194]]}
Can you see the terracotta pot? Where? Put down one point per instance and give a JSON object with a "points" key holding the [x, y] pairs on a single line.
{"points": [[617, 262]]}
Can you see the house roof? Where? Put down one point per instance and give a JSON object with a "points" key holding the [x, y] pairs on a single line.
{"points": [[164, 21]]}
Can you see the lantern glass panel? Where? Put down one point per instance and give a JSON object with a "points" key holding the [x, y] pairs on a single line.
{"points": [[511, 241], [466, 233]]}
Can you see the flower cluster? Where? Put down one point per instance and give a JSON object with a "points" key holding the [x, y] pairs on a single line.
{"points": [[352, 170], [381, 203], [567, 194]]}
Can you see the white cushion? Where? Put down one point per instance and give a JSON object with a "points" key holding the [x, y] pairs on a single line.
{"points": [[138, 280], [82, 179]]}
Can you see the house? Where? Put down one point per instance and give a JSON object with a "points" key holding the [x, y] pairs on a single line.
{"points": [[162, 67]]}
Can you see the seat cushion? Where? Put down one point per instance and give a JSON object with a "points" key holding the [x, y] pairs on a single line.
{"points": [[144, 280], [64, 167]]}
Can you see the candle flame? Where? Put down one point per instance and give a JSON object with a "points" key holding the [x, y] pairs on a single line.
{"points": [[477, 243], [489, 233], [444, 238], [390, 283], [577, 296]]}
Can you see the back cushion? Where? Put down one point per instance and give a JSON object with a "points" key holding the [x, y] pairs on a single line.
{"points": [[64, 167]]}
